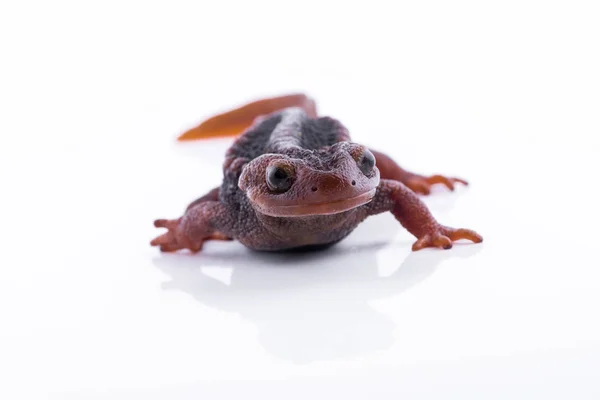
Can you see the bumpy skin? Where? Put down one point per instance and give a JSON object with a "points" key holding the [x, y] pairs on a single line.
{"points": [[331, 187]]}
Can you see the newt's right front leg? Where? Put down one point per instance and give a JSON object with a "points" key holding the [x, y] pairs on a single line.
{"points": [[205, 221]]}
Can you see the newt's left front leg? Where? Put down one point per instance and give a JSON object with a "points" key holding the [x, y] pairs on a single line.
{"points": [[414, 215]]}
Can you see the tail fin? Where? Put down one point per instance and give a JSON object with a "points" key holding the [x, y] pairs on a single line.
{"points": [[236, 121]]}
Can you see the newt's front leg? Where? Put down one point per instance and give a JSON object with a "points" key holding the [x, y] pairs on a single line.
{"points": [[205, 221], [414, 215]]}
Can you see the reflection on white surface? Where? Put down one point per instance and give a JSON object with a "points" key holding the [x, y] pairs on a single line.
{"points": [[307, 307]]}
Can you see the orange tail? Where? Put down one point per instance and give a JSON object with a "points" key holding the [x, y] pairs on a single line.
{"points": [[234, 122]]}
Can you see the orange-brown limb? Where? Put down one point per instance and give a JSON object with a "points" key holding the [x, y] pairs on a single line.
{"points": [[236, 121], [420, 184], [191, 230]]}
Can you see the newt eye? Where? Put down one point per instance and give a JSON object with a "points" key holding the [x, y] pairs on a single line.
{"points": [[279, 179], [366, 163]]}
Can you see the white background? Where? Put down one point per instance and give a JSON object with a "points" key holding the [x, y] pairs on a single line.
{"points": [[505, 94]]}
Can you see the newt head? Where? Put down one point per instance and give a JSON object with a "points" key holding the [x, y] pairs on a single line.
{"points": [[303, 182]]}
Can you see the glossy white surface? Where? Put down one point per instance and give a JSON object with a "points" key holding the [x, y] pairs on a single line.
{"points": [[506, 97]]}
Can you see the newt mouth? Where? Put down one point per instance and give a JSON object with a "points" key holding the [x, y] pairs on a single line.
{"points": [[325, 208]]}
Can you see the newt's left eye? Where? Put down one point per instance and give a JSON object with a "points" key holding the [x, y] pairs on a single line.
{"points": [[279, 179], [366, 163]]}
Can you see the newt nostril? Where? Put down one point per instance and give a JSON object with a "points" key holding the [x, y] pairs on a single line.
{"points": [[314, 189], [353, 183]]}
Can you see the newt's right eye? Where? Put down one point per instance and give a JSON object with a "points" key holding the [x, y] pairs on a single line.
{"points": [[279, 178]]}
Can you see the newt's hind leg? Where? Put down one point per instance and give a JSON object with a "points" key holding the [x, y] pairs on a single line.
{"points": [[415, 182]]}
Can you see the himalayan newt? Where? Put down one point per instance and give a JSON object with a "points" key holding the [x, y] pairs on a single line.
{"points": [[294, 180]]}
